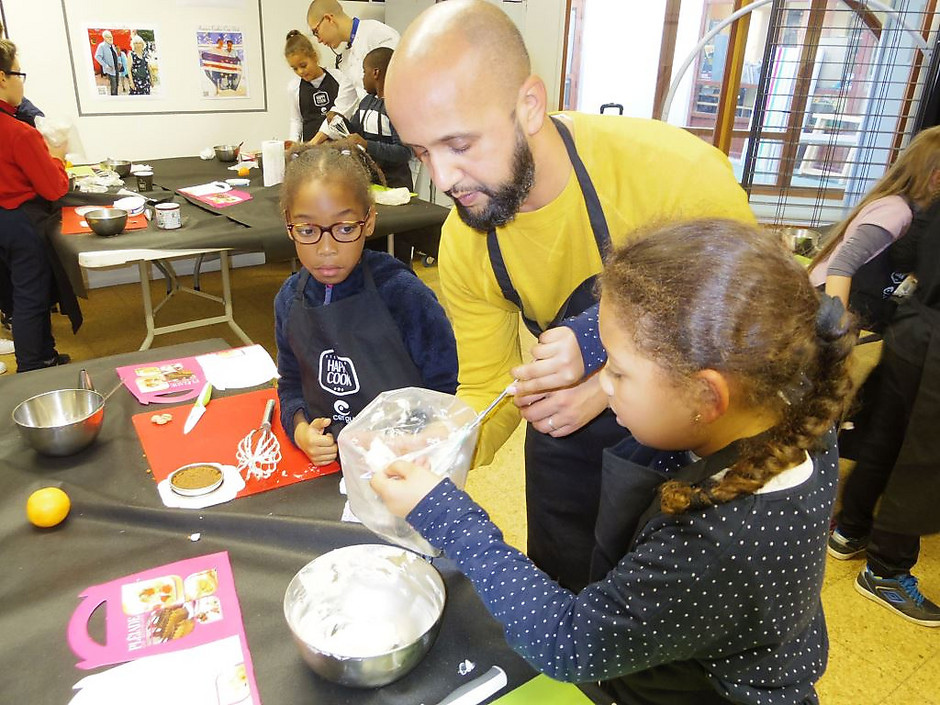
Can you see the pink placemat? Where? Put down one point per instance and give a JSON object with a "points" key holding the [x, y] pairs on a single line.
{"points": [[168, 608], [166, 382]]}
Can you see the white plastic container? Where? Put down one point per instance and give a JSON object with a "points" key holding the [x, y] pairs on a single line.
{"points": [[168, 216]]}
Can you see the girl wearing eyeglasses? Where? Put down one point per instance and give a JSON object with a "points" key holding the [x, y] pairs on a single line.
{"points": [[352, 322]]}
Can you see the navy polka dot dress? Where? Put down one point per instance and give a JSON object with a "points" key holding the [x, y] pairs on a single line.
{"points": [[733, 588]]}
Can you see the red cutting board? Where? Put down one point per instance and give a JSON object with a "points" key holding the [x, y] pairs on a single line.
{"points": [[72, 222], [215, 440]]}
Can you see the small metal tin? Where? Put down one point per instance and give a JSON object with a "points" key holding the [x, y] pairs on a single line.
{"points": [[189, 481]]}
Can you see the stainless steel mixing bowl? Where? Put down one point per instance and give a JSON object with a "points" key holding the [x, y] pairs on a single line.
{"points": [[62, 422], [106, 221], [365, 615], [120, 166], [226, 152]]}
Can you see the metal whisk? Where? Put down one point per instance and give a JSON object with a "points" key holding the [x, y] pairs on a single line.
{"points": [[259, 452]]}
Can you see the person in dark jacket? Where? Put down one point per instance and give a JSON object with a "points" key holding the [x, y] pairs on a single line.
{"points": [[898, 466], [711, 534], [32, 177], [371, 129], [351, 323]]}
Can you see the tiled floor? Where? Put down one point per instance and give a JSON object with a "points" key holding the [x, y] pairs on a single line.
{"points": [[875, 657]]}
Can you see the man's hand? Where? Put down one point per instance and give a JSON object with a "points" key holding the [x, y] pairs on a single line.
{"points": [[402, 485], [564, 411], [556, 363], [319, 446]]}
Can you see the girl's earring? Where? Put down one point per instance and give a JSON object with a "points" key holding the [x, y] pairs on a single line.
{"points": [[697, 418]]}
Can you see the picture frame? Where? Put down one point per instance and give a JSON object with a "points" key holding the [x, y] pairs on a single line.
{"points": [[130, 59]]}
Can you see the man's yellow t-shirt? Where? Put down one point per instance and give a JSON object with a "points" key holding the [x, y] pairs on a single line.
{"points": [[644, 171]]}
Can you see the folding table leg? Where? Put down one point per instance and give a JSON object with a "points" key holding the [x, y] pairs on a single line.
{"points": [[144, 269]]}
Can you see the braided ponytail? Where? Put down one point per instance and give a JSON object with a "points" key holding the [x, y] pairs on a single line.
{"points": [[748, 311]]}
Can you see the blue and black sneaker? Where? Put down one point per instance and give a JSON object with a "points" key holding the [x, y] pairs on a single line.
{"points": [[844, 547], [900, 595]]}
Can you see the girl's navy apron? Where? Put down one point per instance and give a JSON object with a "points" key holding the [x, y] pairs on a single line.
{"points": [[563, 474], [909, 503], [629, 501], [349, 351], [315, 103]]}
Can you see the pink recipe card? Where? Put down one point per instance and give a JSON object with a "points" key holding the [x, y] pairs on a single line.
{"points": [[226, 198], [170, 608], [167, 382]]}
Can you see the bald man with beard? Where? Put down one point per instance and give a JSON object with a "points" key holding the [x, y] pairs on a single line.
{"points": [[538, 200]]}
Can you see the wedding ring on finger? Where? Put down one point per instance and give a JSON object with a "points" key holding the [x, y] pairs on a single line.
{"points": [[551, 423]]}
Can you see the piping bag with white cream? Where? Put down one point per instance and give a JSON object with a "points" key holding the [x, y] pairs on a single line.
{"points": [[413, 424]]}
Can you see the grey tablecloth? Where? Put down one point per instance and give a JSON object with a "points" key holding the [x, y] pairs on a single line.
{"points": [[252, 226], [118, 526]]}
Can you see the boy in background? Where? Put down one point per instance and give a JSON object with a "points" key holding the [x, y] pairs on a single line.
{"points": [[370, 127]]}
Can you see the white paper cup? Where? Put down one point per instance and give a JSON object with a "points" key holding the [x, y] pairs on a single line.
{"points": [[168, 216]]}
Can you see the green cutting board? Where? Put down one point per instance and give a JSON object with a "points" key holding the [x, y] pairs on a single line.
{"points": [[542, 690]]}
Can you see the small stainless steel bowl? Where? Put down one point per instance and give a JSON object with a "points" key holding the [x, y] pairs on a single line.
{"points": [[62, 422], [226, 152], [121, 167], [106, 221], [365, 615]]}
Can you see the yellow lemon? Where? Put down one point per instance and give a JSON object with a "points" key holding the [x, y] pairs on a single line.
{"points": [[244, 172], [47, 507]]}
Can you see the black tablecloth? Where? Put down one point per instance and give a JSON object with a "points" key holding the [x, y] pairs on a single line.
{"points": [[252, 226], [118, 526]]}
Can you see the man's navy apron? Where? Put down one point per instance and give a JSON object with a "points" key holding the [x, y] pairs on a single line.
{"points": [[348, 351], [563, 475]]}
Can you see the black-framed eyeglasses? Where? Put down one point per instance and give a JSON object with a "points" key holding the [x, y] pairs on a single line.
{"points": [[310, 233], [17, 73]]}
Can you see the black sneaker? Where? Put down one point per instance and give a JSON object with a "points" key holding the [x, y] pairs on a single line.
{"points": [[843, 547], [59, 359], [900, 595]]}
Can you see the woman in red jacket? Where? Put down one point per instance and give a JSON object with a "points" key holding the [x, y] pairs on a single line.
{"points": [[32, 176]]}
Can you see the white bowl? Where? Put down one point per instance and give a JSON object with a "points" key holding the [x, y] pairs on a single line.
{"points": [[134, 205]]}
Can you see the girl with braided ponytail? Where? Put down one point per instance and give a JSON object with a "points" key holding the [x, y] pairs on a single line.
{"points": [[730, 371]]}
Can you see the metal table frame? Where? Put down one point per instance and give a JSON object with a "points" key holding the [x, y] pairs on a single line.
{"points": [[163, 260]]}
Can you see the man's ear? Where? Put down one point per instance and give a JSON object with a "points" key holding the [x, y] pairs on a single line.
{"points": [[713, 395], [532, 104]]}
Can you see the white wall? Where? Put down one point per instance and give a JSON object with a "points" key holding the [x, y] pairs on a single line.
{"points": [[37, 26]]}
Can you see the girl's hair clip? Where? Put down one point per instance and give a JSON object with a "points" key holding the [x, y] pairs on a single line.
{"points": [[346, 152]]}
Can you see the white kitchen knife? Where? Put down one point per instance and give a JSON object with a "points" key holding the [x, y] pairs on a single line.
{"points": [[199, 408], [479, 689]]}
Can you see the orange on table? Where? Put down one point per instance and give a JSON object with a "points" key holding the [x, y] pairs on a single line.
{"points": [[47, 507], [243, 171]]}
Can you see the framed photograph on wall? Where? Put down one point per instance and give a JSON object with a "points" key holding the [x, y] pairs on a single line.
{"points": [[125, 63]]}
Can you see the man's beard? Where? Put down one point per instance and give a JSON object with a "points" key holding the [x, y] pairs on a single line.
{"points": [[505, 200]]}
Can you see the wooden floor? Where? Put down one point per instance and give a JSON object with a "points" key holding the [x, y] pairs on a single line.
{"points": [[875, 657]]}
